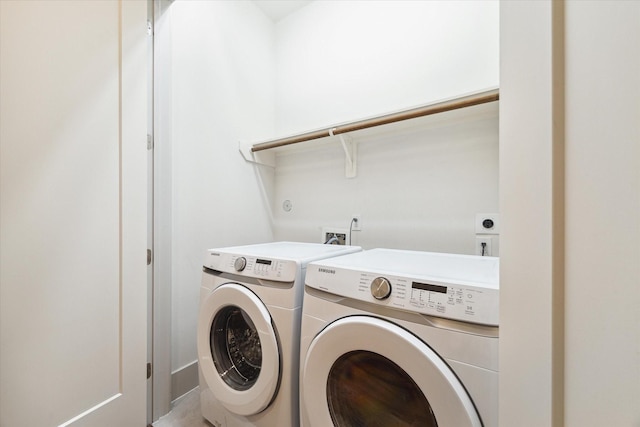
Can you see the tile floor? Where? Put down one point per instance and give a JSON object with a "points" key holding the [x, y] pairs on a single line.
{"points": [[185, 412]]}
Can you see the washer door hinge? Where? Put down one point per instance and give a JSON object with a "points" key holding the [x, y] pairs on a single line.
{"points": [[149, 142], [149, 256], [148, 370]]}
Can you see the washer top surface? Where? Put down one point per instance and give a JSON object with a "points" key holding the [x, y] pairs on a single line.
{"points": [[293, 251], [277, 261]]}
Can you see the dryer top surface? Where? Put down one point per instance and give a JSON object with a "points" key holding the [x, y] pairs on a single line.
{"points": [[444, 267], [457, 287]]}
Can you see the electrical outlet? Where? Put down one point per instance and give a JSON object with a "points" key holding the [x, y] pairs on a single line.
{"points": [[357, 222], [488, 223], [335, 236], [484, 245]]}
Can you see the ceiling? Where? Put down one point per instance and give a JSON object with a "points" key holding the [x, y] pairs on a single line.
{"points": [[278, 9]]}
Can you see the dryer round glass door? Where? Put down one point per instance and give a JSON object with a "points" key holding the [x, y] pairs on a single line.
{"points": [[367, 389], [365, 371], [238, 349]]}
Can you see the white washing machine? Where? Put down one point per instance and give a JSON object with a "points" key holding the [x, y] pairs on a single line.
{"points": [[249, 331], [400, 338]]}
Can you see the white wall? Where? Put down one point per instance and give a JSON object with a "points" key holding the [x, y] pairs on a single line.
{"points": [[570, 300], [602, 311], [162, 211], [420, 185], [237, 77], [222, 93], [345, 60], [530, 312]]}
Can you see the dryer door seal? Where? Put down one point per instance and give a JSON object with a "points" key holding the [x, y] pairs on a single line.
{"points": [[361, 370], [238, 349]]}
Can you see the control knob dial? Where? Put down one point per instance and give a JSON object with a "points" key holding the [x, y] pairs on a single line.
{"points": [[380, 288], [240, 263]]}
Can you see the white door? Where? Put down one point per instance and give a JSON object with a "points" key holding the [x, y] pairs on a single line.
{"points": [[365, 371], [73, 213]]}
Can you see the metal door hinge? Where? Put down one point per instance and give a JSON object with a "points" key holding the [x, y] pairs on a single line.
{"points": [[148, 370], [149, 28], [149, 256], [149, 142]]}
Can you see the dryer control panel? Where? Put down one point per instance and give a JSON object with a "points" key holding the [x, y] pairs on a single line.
{"points": [[468, 291], [252, 266]]}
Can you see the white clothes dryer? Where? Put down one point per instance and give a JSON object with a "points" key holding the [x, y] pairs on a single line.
{"points": [[400, 338], [249, 330]]}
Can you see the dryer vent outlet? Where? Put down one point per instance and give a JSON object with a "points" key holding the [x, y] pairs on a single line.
{"points": [[334, 236]]}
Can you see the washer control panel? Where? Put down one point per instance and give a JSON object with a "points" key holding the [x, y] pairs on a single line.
{"points": [[471, 302], [252, 266]]}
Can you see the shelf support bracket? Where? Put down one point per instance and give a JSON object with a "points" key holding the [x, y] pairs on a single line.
{"points": [[260, 159], [350, 148]]}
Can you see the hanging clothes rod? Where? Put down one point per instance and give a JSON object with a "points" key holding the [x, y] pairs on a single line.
{"points": [[439, 107]]}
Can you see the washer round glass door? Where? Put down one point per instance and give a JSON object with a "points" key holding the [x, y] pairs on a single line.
{"points": [[235, 347], [365, 371], [238, 349]]}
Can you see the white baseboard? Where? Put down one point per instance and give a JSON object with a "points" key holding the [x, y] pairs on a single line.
{"points": [[184, 380]]}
